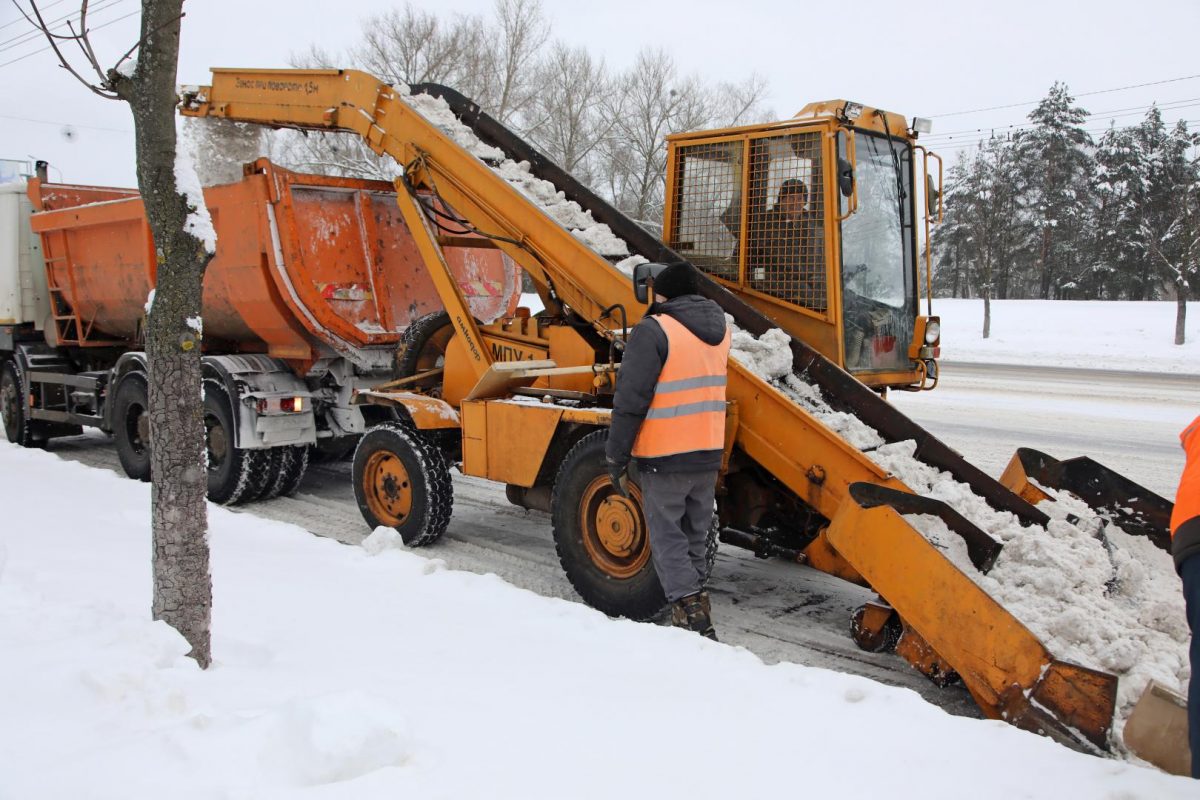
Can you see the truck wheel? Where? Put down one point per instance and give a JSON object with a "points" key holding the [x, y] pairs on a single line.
{"points": [[233, 473], [401, 481], [602, 540], [423, 347], [14, 406], [292, 466], [264, 487], [131, 426]]}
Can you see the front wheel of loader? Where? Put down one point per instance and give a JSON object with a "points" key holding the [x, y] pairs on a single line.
{"points": [[401, 481], [602, 540]]}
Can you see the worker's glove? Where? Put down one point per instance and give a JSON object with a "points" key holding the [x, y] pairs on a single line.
{"points": [[619, 478]]}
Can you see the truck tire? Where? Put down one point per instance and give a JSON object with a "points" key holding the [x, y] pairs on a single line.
{"points": [[401, 481], [292, 466], [131, 425], [264, 486], [14, 405], [233, 473], [601, 538], [423, 347]]}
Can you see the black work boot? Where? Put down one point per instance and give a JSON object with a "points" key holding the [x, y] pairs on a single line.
{"points": [[691, 612]]}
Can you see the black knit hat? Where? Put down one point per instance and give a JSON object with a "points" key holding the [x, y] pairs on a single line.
{"points": [[677, 280]]}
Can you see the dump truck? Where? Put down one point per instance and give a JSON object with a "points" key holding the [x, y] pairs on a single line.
{"points": [[526, 400], [314, 280]]}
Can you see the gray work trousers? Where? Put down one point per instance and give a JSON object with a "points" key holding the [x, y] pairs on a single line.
{"points": [[679, 512]]}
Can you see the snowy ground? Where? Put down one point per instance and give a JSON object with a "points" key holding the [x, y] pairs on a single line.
{"points": [[1071, 333], [341, 674]]}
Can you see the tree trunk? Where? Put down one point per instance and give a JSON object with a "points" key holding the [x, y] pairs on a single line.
{"points": [[1181, 297], [1045, 276], [179, 518], [987, 311]]}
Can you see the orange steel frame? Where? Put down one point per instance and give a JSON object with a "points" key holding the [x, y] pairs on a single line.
{"points": [[824, 332]]}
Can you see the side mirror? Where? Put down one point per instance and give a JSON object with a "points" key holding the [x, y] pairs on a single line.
{"points": [[933, 198], [643, 280], [845, 177]]}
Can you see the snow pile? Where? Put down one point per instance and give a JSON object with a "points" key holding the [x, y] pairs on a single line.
{"points": [[341, 674], [1057, 580], [187, 183], [1095, 334], [554, 203], [221, 147]]}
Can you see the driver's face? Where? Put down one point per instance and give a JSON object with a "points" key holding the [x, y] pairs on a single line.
{"points": [[793, 203]]}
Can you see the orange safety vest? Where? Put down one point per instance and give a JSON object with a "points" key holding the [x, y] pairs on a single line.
{"points": [[1187, 499], [687, 413]]}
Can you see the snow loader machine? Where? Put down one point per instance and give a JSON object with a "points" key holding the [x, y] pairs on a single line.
{"points": [[525, 400]]}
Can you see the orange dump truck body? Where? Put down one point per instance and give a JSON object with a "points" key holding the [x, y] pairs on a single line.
{"points": [[306, 267]]}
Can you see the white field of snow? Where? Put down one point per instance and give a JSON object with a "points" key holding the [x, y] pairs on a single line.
{"points": [[342, 674], [1092, 334]]}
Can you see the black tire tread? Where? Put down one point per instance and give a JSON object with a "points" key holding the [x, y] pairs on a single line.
{"points": [[413, 340], [250, 464], [638, 598], [138, 472], [439, 488]]}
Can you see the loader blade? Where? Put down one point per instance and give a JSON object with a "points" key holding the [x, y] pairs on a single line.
{"points": [[1137, 510], [1002, 663], [1157, 730]]}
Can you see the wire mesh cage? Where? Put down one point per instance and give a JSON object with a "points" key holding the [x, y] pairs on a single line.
{"points": [[767, 192]]}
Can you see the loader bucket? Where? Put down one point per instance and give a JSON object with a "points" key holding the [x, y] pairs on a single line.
{"points": [[1006, 668], [1137, 510]]}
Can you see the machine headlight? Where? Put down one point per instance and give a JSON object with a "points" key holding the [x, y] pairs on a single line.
{"points": [[933, 331]]}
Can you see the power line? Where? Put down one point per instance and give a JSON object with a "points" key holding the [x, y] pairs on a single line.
{"points": [[977, 142], [47, 47], [65, 124], [60, 22], [1082, 94], [46, 7], [1178, 105]]}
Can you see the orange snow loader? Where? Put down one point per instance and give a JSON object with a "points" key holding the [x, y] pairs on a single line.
{"points": [[314, 281], [526, 400]]}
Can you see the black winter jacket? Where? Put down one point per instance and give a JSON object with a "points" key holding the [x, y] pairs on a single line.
{"points": [[645, 354]]}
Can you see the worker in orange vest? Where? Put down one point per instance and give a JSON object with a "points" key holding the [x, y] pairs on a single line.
{"points": [[669, 414], [1185, 546]]}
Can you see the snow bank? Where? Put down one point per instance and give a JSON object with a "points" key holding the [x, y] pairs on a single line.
{"points": [[1092, 334], [341, 674]]}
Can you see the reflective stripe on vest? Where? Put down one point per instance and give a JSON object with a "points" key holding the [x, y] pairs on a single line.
{"points": [[687, 413], [1187, 499]]}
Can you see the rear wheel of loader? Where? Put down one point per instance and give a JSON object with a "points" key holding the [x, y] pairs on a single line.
{"points": [[234, 474], [402, 481], [131, 426], [423, 348], [602, 540]]}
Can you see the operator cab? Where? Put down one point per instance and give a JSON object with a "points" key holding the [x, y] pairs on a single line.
{"points": [[812, 221]]}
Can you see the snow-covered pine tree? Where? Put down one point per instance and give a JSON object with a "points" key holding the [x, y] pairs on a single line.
{"points": [[1056, 161]]}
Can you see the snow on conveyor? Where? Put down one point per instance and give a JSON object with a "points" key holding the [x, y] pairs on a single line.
{"points": [[1116, 608]]}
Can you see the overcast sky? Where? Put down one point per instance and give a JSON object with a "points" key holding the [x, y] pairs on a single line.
{"points": [[932, 59]]}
